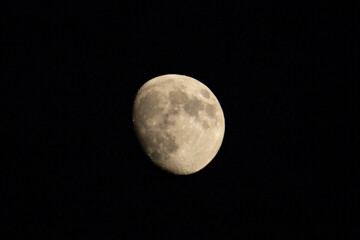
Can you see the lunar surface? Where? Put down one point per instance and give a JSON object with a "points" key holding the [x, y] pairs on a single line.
{"points": [[179, 123]]}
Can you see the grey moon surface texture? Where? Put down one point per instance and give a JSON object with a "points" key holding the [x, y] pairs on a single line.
{"points": [[179, 123]]}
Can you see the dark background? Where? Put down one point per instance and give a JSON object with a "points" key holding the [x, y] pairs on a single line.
{"points": [[283, 73]]}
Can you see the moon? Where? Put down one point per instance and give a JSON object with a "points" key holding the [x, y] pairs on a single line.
{"points": [[179, 123]]}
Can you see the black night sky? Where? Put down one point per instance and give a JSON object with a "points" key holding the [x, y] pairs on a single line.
{"points": [[284, 75]]}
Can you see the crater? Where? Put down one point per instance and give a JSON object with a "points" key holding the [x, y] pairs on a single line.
{"points": [[166, 122], [205, 93]]}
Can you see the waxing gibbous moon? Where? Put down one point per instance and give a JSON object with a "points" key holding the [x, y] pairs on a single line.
{"points": [[179, 123]]}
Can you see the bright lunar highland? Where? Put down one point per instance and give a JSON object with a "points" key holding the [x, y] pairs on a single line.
{"points": [[179, 123]]}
